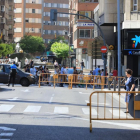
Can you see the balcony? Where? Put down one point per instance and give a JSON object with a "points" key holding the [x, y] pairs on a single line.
{"points": [[2, 2], [1, 25], [10, 31], [10, 22], [88, 1], [1, 14]]}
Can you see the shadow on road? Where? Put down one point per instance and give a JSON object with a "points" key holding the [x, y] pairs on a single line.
{"points": [[42, 132], [6, 89]]}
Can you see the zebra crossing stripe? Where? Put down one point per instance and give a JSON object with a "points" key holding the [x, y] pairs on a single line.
{"points": [[32, 109], [116, 113], [6, 108], [86, 111], [62, 110]]}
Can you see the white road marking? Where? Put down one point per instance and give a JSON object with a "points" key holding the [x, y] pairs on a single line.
{"points": [[86, 93], [32, 109], [14, 99], [6, 108], [6, 134], [62, 110], [51, 100], [116, 113], [26, 90], [86, 111], [96, 103], [7, 129]]}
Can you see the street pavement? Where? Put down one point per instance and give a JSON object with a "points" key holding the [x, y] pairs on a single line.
{"points": [[45, 113]]}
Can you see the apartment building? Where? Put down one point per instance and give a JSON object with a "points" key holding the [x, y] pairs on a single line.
{"points": [[59, 27], [6, 20], [83, 29], [130, 30], [32, 17], [28, 18]]}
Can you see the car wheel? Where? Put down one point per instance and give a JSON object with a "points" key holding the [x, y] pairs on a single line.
{"points": [[24, 82]]}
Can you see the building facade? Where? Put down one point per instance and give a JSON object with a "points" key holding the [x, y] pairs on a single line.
{"points": [[130, 30], [83, 29], [32, 17], [28, 18], [7, 20]]}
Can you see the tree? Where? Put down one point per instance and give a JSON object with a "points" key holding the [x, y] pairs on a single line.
{"points": [[6, 49], [32, 44], [60, 49], [58, 39]]}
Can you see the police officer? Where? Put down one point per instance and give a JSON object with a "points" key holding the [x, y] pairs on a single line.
{"points": [[13, 72]]}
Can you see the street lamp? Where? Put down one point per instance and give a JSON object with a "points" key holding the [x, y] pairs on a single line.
{"points": [[119, 38]]}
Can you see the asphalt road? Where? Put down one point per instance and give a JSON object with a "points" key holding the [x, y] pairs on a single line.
{"points": [[32, 113]]}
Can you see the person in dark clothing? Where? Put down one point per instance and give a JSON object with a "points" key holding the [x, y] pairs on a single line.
{"points": [[13, 72]]}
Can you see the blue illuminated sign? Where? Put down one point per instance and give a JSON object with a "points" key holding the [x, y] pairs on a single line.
{"points": [[136, 39]]}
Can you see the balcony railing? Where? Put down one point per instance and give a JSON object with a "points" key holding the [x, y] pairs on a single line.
{"points": [[88, 1]]}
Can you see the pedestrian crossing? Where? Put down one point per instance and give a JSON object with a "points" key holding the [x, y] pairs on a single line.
{"points": [[59, 110]]}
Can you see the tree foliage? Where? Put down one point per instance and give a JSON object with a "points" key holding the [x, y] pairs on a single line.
{"points": [[61, 50], [6, 49], [32, 44], [58, 39]]}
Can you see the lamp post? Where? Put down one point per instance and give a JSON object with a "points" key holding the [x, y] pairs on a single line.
{"points": [[119, 38]]}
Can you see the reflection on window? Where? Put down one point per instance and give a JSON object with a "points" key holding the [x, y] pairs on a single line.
{"points": [[85, 13]]}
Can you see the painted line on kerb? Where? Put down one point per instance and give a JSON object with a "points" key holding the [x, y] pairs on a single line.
{"points": [[7, 129], [51, 100], [133, 126], [6, 134], [6, 108], [32, 109]]}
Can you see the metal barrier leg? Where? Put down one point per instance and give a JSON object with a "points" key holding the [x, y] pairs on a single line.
{"points": [[119, 86], [114, 84], [108, 84]]}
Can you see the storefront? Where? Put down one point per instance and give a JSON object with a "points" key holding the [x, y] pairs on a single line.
{"points": [[131, 50]]}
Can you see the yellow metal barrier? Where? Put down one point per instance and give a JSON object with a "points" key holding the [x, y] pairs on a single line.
{"points": [[136, 106], [77, 79]]}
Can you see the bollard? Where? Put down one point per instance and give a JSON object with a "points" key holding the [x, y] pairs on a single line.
{"points": [[119, 86], [108, 84], [114, 84]]}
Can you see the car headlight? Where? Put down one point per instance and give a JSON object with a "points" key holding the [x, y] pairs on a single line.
{"points": [[31, 76]]}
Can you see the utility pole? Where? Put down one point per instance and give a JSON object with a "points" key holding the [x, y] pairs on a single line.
{"points": [[119, 38], [96, 53], [92, 56]]}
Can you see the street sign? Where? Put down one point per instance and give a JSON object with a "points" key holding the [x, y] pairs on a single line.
{"points": [[103, 49]]}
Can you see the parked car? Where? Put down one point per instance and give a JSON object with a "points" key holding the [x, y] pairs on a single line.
{"points": [[23, 78]]}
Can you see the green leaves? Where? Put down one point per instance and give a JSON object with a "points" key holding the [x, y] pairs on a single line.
{"points": [[6, 49], [32, 44], [61, 50], [58, 39]]}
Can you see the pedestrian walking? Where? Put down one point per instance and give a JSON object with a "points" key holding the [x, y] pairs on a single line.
{"points": [[129, 86], [13, 72], [82, 65]]}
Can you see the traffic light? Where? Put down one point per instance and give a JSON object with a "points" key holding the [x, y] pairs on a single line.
{"points": [[53, 15], [72, 46]]}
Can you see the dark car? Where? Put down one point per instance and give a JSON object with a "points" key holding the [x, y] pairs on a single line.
{"points": [[23, 78]]}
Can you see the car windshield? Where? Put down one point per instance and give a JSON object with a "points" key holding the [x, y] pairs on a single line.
{"points": [[7, 69]]}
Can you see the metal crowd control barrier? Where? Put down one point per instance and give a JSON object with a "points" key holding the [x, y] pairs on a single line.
{"points": [[77, 79], [134, 107]]}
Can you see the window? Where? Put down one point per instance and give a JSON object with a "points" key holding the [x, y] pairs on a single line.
{"points": [[33, 30], [18, 20], [2, 8], [1, 68], [26, 20], [86, 13], [84, 33], [10, 27], [135, 5], [33, 10], [92, 33], [17, 30], [17, 10], [17, 1]]}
